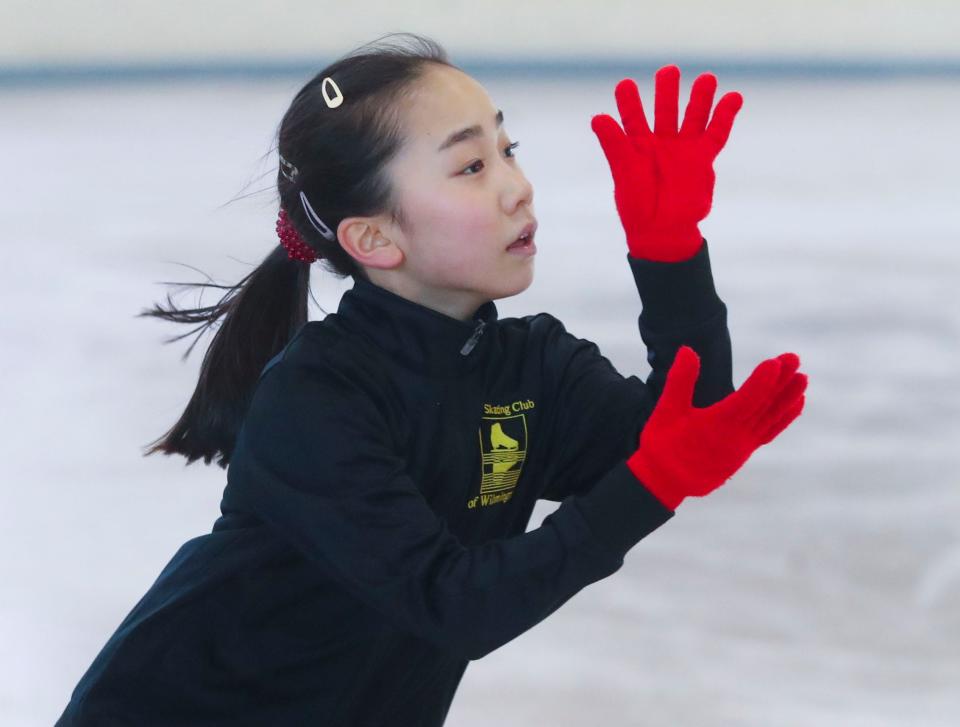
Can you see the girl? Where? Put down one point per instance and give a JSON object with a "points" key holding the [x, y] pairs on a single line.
{"points": [[383, 463]]}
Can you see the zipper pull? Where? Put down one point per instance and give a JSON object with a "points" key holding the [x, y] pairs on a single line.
{"points": [[474, 337]]}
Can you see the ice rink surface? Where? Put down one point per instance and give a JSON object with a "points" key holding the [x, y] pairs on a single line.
{"points": [[819, 587]]}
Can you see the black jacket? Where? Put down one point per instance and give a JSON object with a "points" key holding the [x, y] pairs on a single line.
{"points": [[372, 538]]}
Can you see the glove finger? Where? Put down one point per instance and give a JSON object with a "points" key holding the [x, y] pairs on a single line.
{"points": [[782, 400], [631, 110], [781, 423], [789, 362], [719, 129], [698, 109], [677, 395], [615, 144], [753, 394], [666, 100]]}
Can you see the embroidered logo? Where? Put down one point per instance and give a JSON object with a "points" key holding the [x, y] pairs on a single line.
{"points": [[503, 449]]}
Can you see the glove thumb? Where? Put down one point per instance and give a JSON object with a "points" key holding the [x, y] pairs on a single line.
{"points": [[615, 144], [677, 395]]}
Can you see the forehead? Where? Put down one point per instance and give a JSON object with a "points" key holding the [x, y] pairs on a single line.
{"points": [[444, 101]]}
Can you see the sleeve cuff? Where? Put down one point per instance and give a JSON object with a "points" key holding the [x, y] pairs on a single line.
{"points": [[621, 511], [676, 294]]}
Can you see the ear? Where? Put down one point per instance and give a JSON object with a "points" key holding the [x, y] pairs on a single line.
{"points": [[367, 242]]}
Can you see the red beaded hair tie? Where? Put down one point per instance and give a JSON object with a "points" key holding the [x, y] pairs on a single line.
{"points": [[297, 249]]}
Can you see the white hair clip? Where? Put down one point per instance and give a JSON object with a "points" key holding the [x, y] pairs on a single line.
{"points": [[315, 218], [289, 171], [336, 100]]}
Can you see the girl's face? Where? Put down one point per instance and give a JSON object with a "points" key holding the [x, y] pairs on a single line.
{"points": [[465, 199]]}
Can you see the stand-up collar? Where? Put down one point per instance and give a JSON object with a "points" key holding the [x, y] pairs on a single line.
{"points": [[413, 333]]}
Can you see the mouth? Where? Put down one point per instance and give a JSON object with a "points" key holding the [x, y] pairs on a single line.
{"points": [[524, 241]]}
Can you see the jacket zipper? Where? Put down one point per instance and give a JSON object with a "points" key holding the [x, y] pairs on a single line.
{"points": [[474, 337]]}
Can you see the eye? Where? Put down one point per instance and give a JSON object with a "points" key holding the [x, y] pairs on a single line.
{"points": [[508, 148]]}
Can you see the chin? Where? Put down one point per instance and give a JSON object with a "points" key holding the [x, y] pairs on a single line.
{"points": [[515, 284]]}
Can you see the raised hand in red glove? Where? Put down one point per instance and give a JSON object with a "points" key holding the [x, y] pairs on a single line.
{"points": [[686, 450], [663, 181]]}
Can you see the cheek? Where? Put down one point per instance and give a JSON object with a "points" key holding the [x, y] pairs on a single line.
{"points": [[456, 228], [456, 211], [464, 220]]}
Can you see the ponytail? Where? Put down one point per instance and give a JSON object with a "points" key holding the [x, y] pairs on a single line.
{"points": [[260, 314]]}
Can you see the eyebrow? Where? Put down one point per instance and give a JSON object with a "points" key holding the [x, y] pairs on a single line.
{"points": [[469, 133]]}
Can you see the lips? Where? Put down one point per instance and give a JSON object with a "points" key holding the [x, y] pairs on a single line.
{"points": [[527, 232]]}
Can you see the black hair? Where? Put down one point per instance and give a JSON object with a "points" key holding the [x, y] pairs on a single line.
{"points": [[340, 155]]}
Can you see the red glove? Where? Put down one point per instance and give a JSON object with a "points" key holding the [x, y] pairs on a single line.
{"points": [[686, 450], [663, 181]]}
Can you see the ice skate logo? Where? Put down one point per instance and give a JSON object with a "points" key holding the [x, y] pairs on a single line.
{"points": [[499, 440], [503, 449]]}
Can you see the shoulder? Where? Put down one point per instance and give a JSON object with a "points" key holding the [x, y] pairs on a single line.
{"points": [[549, 331], [545, 333], [317, 367], [322, 350], [535, 325], [312, 404], [559, 351]]}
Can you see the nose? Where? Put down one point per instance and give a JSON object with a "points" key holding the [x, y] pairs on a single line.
{"points": [[519, 191]]}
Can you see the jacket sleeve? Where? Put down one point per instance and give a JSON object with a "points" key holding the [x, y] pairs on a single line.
{"points": [[315, 460], [599, 413]]}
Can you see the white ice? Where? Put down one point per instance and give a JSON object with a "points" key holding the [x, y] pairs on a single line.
{"points": [[820, 586]]}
